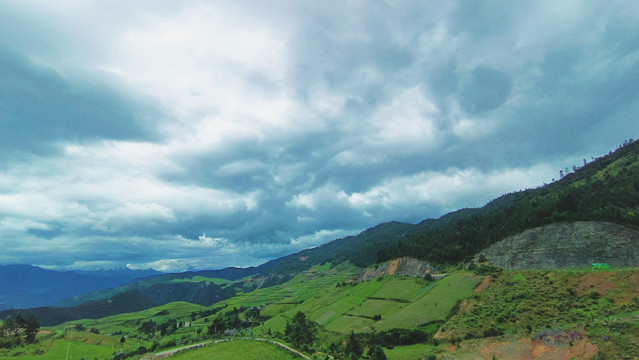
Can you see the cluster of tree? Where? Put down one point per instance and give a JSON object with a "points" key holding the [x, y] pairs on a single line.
{"points": [[231, 320], [15, 331], [208, 312], [148, 327], [151, 327], [347, 283], [300, 332], [354, 349], [398, 337]]}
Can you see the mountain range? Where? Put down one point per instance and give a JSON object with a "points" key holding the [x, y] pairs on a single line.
{"points": [[25, 286]]}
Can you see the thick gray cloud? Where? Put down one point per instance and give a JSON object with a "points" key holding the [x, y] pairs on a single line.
{"points": [[194, 134], [39, 107], [485, 89]]}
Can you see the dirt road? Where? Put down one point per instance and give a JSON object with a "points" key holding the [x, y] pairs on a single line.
{"points": [[165, 354]]}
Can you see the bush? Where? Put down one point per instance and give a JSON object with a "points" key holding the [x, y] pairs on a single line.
{"points": [[493, 331]]}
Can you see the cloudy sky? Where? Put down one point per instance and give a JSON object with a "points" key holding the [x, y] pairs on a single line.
{"points": [[203, 134]]}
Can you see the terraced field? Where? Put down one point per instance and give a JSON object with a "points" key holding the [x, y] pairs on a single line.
{"points": [[402, 302]]}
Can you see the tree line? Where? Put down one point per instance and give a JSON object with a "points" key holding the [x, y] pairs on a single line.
{"points": [[16, 331]]}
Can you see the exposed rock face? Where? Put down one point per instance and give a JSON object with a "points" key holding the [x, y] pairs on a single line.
{"points": [[567, 245], [405, 266]]}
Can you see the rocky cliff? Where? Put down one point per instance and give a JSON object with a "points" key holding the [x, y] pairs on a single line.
{"points": [[567, 245], [405, 266]]}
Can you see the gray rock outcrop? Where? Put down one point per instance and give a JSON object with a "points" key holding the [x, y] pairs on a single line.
{"points": [[405, 266], [567, 245]]}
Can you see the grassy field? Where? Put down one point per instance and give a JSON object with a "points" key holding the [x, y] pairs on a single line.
{"points": [[57, 349], [402, 302], [410, 352], [231, 350], [129, 322]]}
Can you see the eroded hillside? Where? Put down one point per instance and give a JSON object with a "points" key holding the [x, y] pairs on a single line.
{"points": [[567, 245]]}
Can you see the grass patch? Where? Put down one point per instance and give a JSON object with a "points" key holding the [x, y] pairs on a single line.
{"points": [[409, 352], [231, 350]]}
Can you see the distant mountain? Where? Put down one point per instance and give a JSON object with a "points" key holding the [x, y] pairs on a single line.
{"points": [[199, 287], [124, 274], [125, 302], [25, 286]]}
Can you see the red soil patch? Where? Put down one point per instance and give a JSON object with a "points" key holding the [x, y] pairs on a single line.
{"points": [[483, 285], [392, 267], [525, 349], [467, 305], [599, 281], [622, 283]]}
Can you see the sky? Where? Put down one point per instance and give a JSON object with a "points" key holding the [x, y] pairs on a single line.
{"points": [[181, 135]]}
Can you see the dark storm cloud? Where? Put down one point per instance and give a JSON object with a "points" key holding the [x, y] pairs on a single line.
{"points": [[40, 107], [484, 89]]}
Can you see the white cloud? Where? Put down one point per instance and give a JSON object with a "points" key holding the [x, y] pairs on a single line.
{"points": [[21, 225], [406, 122], [452, 189]]}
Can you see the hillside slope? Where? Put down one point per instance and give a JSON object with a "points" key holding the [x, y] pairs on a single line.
{"points": [[604, 190], [567, 245]]}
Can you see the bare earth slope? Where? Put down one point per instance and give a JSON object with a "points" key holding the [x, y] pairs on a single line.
{"points": [[404, 266], [567, 245]]}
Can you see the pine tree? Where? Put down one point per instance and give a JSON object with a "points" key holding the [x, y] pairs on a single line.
{"points": [[32, 326], [300, 332], [376, 353], [353, 347]]}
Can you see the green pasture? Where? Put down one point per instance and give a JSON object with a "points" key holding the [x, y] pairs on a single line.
{"points": [[410, 352], [402, 302], [101, 347], [129, 322], [232, 350]]}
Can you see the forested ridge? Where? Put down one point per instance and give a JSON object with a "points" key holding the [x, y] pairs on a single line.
{"points": [[605, 189]]}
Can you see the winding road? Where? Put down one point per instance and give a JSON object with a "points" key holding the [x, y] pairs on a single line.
{"points": [[165, 354]]}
